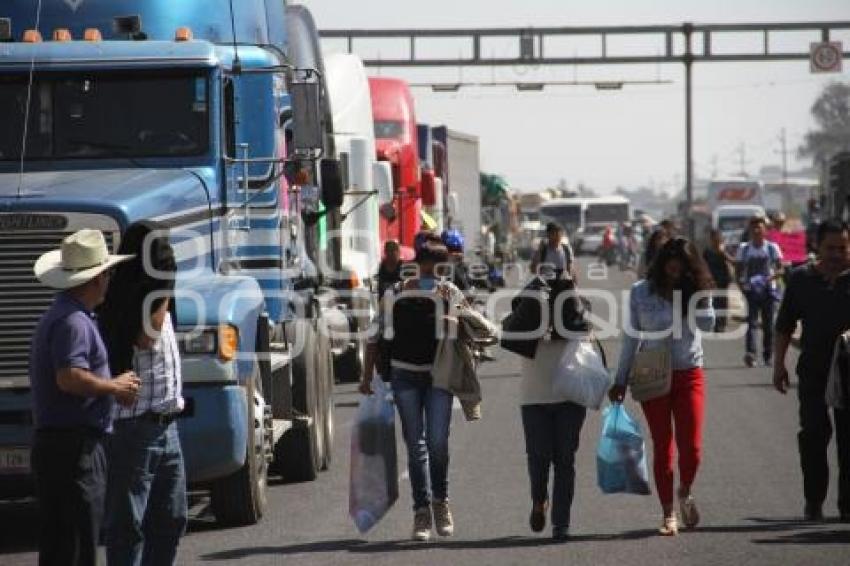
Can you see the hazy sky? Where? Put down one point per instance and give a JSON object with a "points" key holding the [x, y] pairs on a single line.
{"points": [[608, 139]]}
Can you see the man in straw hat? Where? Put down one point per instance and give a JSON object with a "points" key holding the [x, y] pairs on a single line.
{"points": [[73, 392]]}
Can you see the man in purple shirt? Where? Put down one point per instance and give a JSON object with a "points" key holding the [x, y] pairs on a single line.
{"points": [[73, 393]]}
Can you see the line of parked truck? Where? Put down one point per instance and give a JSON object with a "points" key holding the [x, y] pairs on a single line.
{"points": [[279, 172]]}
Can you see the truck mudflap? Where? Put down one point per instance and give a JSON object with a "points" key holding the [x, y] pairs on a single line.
{"points": [[213, 433]]}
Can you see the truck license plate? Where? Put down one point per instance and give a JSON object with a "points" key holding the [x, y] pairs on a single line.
{"points": [[14, 460]]}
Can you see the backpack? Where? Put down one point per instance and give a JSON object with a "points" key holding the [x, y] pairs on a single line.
{"points": [[568, 254]]}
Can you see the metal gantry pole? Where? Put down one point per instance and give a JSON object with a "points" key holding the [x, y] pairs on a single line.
{"points": [[688, 60]]}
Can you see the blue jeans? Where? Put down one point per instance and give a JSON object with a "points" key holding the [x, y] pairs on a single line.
{"points": [[426, 414], [146, 507], [760, 308]]}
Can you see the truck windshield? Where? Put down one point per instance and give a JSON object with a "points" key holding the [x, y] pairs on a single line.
{"points": [[567, 215], [733, 223], [607, 212], [388, 129], [89, 115]]}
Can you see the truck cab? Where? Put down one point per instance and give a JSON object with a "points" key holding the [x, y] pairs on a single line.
{"points": [[397, 144], [174, 116]]}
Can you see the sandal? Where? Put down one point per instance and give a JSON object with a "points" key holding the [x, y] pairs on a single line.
{"points": [[670, 527], [690, 513]]}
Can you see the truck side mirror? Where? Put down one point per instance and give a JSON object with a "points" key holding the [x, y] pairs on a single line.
{"points": [[360, 165], [453, 204], [333, 183], [308, 136], [382, 176], [429, 188]]}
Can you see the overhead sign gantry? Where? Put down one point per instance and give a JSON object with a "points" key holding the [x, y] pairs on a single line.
{"points": [[686, 44]]}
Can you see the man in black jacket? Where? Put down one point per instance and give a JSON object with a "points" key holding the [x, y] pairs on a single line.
{"points": [[818, 296], [389, 272]]}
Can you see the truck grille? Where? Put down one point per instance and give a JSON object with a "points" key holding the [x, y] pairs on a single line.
{"points": [[22, 298]]}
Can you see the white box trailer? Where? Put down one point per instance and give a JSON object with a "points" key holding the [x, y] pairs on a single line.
{"points": [[462, 184]]}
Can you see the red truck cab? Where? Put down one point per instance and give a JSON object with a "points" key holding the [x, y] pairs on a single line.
{"points": [[397, 143]]}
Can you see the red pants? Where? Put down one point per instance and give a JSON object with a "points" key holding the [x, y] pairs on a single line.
{"points": [[683, 408]]}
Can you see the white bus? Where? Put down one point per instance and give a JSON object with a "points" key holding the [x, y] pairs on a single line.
{"points": [[585, 218]]}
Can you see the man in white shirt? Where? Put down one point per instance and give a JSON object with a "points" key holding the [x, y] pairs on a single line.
{"points": [[146, 490]]}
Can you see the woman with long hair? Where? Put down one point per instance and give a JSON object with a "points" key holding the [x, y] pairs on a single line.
{"points": [[656, 240], [673, 304]]}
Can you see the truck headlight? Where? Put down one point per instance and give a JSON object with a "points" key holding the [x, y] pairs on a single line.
{"points": [[223, 340], [201, 343]]}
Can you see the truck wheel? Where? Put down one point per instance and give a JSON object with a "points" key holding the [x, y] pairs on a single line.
{"points": [[240, 498], [297, 454], [348, 366]]}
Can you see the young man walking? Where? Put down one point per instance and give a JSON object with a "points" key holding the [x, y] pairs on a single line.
{"points": [[759, 262], [554, 256], [818, 296], [73, 392]]}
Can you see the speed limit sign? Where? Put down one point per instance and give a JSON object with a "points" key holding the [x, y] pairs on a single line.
{"points": [[825, 57]]}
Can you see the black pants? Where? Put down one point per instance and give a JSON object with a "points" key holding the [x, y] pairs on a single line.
{"points": [[552, 435], [813, 438], [70, 477]]}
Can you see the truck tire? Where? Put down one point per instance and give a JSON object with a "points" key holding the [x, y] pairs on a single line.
{"points": [[348, 366], [297, 455], [240, 498]]}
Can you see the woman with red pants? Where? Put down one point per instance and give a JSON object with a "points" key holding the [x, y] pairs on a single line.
{"points": [[670, 309]]}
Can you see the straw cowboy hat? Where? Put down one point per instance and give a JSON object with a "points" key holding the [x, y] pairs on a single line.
{"points": [[82, 256]]}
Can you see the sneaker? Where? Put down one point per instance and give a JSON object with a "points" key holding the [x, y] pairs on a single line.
{"points": [[690, 513], [750, 360], [443, 519], [768, 360], [560, 534], [537, 519], [813, 513], [669, 527], [422, 524]]}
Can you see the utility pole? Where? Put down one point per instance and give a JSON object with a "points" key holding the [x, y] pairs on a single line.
{"points": [[742, 158], [783, 140], [688, 60]]}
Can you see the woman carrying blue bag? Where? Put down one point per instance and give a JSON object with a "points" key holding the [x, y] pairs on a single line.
{"points": [[662, 360]]}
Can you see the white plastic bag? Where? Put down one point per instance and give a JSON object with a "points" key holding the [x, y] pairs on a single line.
{"points": [[373, 487], [580, 375]]}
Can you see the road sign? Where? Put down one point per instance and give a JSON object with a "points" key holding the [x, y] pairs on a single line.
{"points": [[825, 57]]}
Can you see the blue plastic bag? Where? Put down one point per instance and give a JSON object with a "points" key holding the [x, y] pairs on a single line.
{"points": [[373, 483], [621, 454]]}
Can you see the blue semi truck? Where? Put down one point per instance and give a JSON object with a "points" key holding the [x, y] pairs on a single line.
{"points": [[191, 114]]}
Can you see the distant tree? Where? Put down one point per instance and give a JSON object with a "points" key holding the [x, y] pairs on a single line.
{"points": [[831, 112], [585, 191]]}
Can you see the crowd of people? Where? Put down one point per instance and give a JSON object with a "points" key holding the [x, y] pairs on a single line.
{"points": [[672, 271], [106, 381]]}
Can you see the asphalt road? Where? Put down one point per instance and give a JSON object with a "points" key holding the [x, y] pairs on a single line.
{"points": [[749, 490]]}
